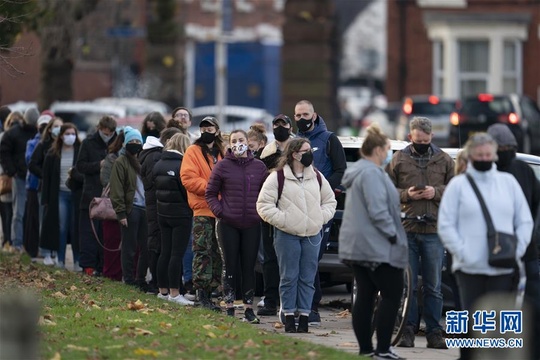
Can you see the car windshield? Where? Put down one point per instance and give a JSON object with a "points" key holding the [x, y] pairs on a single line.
{"points": [[427, 108], [497, 106]]}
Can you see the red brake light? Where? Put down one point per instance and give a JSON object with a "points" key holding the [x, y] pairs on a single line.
{"points": [[454, 118], [513, 118], [433, 100], [407, 106], [485, 97]]}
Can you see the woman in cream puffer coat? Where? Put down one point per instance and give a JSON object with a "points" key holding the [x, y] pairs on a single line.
{"points": [[305, 204]]}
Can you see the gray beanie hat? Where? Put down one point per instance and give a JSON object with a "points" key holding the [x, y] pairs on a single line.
{"points": [[31, 116], [502, 135]]}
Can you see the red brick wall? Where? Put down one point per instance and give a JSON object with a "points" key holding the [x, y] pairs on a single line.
{"points": [[417, 71]]}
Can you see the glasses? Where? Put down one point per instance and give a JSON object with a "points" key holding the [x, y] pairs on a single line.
{"points": [[179, 115]]}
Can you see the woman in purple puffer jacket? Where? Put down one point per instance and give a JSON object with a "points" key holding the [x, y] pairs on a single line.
{"points": [[232, 193]]}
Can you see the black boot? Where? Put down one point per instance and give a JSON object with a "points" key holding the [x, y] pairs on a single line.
{"points": [[205, 301], [290, 325], [302, 324]]}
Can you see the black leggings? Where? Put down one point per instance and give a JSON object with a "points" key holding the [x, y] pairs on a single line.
{"points": [[239, 245], [389, 281], [175, 233], [134, 239]]}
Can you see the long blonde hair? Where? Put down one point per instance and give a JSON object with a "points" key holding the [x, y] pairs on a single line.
{"points": [[178, 142]]}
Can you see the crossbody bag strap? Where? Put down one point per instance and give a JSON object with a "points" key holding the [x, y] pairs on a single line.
{"points": [[491, 228]]}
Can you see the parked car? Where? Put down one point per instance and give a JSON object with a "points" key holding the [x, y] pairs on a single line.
{"points": [[85, 115], [236, 117], [331, 270], [136, 109], [438, 110], [477, 113]]}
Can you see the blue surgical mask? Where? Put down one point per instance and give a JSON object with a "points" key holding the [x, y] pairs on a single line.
{"points": [[389, 155], [55, 131]]}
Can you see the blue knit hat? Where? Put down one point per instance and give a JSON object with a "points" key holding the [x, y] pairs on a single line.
{"points": [[131, 134]]}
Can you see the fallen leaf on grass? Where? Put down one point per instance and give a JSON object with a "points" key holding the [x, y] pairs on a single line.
{"points": [[59, 295], [344, 314], [312, 354], [208, 327], [268, 342], [77, 315], [47, 322], [73, 288], [77, 348], [56, 356], [134, 321], [140, 331], [348, 344], [96, 306], [165, 325], [278, 325], [145, 352], [137, 305], [114, 347], [162, 311], [251, 344], [325, 334], [211, 335]]}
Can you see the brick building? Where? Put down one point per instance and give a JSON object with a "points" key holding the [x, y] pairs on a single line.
{"points": [[455, 48]]}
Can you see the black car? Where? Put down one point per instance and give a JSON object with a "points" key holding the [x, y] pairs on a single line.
{"points": [[477, 113]]}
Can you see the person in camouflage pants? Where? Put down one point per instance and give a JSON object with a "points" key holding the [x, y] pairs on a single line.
{"points": [[207, 262]]}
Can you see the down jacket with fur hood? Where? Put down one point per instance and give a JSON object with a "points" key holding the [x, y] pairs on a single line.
{"points": [[304, 206]]}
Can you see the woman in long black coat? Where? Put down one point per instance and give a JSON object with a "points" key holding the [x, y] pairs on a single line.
{"points": [[56, 197]]}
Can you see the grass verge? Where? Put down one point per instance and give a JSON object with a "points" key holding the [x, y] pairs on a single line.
{"points": [[94, 318]]}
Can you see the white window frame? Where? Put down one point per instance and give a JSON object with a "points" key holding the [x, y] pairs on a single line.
{"points": [[517, 73], [450, 4], [477, 75]]}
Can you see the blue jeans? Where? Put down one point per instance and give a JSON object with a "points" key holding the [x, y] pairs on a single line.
{"points": [[67, 224], [298, 261], [426, 254], [19, 204]]}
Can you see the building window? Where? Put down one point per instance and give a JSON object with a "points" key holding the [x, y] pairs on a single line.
{"points": [[438, 68], [473, 66], [511, 66]]}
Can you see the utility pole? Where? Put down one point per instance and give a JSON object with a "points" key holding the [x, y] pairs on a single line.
{"points": [[224, 28]]}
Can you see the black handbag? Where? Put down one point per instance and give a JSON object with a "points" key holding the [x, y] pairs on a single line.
{"points": [[501, 246]]}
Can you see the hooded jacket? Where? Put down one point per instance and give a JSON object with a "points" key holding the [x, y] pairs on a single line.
{"points": [[194, 174], [462, 226], [371, 216], [329, 158], [304, 206], [238, 181], [405, 172], [171, 196]]}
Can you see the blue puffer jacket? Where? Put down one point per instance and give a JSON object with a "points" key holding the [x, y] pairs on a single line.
{"points": [[32, 181], [238, 181]]}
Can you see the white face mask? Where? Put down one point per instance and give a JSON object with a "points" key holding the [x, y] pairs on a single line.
{"points": [[239, 149], [69, 139], [388, 158], [55, 131]]}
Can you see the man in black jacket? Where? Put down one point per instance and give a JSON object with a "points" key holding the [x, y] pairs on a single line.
{"points": [[12, 150], [91, 157], [530, 185]]}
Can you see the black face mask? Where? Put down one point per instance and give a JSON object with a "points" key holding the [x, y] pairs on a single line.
{"points": [[420, 148], [281, 133], [307, 158], [304, 125], [133, 148], [505, 158], [208, 138], [153, 133], [482, 165]]}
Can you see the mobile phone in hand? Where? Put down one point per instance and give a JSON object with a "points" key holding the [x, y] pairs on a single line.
{"points": [[420, 187]]}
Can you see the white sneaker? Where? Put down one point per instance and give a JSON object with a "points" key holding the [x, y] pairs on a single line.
{"points": [[76, 267], [60, 265], [190, 297], [261, 303], [48, 260], [162, 297], [180, 299]]}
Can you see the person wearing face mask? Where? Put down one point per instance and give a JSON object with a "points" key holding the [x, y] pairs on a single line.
{"points": [[463, 229], [373, 242], [152, 125], [91, 158], [57, 198], [329, 159], [282, 129], [199, 160], [31, 215], [507, 162], [232, 193], [257, 139], [127, 198], [297, 209], [421, 172]]}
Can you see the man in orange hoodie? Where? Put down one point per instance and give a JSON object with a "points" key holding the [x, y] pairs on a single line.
{"points": [[197, 165]]}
